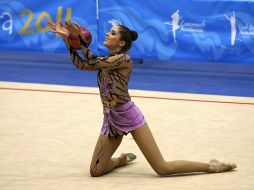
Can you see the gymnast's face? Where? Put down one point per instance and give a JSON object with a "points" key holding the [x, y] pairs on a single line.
{"points": [[112, 40]]}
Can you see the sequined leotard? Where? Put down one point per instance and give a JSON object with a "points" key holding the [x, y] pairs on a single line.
{"points": [[120, 114], [113, 73]]}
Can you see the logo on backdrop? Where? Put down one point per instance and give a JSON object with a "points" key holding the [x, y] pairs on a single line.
{"points": [[232, 21], [114, 22], [245, 30], [175, 23], [8, 22], [110, 23], [178, 23]]}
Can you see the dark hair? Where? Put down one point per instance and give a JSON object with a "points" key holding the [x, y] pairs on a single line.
{"points": [[128, 36]]}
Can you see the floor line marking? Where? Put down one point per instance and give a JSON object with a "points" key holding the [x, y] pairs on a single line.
{"points": [[147, 97]]}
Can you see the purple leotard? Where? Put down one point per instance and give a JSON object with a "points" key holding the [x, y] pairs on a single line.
{"points": [[121, 115]]}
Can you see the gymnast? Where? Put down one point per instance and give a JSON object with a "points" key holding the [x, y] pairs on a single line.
{"points": [[121, 114]]}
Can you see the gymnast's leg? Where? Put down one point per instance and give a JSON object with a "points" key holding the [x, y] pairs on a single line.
{"points": [[149, 148], [102, 162]]}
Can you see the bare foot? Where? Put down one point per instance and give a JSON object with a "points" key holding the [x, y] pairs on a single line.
{"points": [[218, 167], [126, 158]]}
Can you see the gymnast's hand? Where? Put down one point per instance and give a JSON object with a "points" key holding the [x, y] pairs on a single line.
{"points": [[58, 28], [73, 28]]}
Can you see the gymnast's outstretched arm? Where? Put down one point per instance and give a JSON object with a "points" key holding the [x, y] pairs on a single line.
{"points": [[94, 62]]}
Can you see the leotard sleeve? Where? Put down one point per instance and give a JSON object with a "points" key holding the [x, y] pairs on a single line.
{"points": [[93, 62]]}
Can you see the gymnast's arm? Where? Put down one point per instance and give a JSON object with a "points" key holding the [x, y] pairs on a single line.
{"points": [[93, 62], [76, 59]]}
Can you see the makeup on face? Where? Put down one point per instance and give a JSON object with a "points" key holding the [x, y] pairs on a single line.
{"points": [[112, 38]]}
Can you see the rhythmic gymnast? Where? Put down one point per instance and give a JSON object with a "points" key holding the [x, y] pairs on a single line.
{"points": [[121, 115]]}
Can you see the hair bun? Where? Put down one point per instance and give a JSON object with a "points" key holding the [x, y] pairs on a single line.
{"points": [[134, 35]]}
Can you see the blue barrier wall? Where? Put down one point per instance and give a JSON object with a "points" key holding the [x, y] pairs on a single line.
{"points": [[178, 30]]}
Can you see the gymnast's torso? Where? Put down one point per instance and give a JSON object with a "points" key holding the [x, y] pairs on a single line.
{"points": [[113, 85], [113, 73]]}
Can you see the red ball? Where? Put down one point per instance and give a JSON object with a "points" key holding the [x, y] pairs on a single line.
{"points": [[74, 41]]}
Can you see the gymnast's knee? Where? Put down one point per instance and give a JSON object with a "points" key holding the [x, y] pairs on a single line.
{"points": [[162, 170], [96, 172]]}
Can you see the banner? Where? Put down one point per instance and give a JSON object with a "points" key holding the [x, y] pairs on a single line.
{"points": [[177, 30], [207, 31], [23, 24]]}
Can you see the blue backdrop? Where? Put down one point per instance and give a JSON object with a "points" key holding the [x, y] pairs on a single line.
{"points": [[23, 24], [195, 30]]}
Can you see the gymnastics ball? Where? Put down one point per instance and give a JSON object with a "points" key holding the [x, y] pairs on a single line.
{"points": [[74, 41]]}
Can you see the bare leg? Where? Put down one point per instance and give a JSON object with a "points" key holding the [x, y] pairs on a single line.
{"points": [[149, 148], [102, 162]]}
